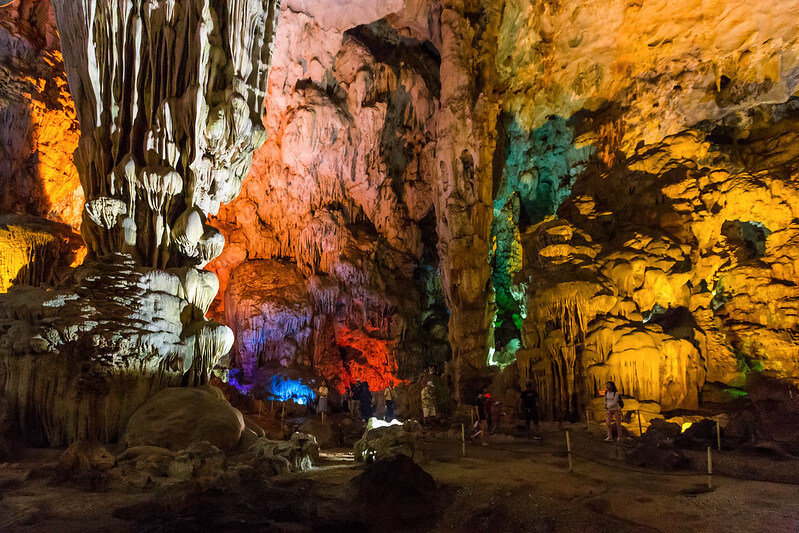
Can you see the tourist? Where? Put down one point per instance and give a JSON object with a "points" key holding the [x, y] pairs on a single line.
{"points": [[345, 401], [529, 407], [389, 395], [428, 403], [612, 411], [355, 397], [365, 397], [483, 414], [323, 392]]}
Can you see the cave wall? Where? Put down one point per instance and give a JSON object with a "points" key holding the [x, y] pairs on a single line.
{"points": [[592, 190]]}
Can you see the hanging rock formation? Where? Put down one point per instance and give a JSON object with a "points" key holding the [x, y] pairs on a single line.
{"points": [[574, 191], [169, 96]]}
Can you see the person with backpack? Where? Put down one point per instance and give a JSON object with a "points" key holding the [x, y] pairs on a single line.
{"points": [[613, 407]]}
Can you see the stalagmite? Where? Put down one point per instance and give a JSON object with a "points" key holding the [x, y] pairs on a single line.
{"points": [[169, 96]]}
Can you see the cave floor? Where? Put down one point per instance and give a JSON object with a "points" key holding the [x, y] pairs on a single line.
{"points": [[514, 484]]}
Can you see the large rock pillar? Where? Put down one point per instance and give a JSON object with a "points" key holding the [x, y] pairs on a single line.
{"points": [[169, 95], [465, 147]]}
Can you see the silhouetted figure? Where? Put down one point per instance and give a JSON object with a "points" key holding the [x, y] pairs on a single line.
{"points": [[529, 407], [345, 400], [484, 402], [355, 397], [365, 397]]}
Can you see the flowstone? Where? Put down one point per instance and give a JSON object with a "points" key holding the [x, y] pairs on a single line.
{"points": [[169, 96]]}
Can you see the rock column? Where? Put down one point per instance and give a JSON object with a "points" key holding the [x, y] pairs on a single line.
{"points": [[465, 147]]}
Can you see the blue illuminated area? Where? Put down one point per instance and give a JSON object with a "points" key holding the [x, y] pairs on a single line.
{"points": [[284, 389], [233, 379]]}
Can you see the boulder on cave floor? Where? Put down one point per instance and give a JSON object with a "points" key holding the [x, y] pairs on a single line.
{"points": [[389, 441], [177, 417], [328, 434], [398, 490], [280, 457]]}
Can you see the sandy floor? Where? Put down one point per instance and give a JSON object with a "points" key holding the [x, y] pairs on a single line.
{"points": [[514, 484]]}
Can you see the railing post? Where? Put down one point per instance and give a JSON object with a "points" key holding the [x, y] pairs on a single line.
{"points": [[569, 451], [640, 428], [709, 468]]}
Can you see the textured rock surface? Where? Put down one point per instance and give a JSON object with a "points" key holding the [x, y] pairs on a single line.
{"points": [[169, 97], [177, 417], [38, 126], [78, 360], [596, 190], [36, 251]]}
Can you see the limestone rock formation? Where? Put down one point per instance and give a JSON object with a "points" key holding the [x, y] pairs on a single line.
{"points": [[79, 359], [572, 191], [38, 126], [169, 97], [36, 251], [177, 417]]}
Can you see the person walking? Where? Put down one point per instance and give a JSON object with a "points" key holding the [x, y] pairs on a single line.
{"points": [[529, 408], [613, 407], [323, 392], [389, 395], [428, 403]]}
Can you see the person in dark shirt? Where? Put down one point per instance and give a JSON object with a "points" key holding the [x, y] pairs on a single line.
{"points": [[355, 399], [529, 409], [365, 397]]}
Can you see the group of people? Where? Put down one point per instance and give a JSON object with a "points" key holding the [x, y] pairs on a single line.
{"points": [[358, 401], [488, 412]]}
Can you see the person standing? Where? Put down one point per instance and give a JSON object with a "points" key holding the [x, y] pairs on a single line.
{"points": [[355, 398], [323, 392], [529, 408], [345, 401], [389, 395], [613, 407], [428, 402], [365, 396], [483, 414]]}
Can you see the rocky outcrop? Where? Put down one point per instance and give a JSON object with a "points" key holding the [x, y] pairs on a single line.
{"points": [[169, 98], [177, 417], [38, 126], [77, 361], [593, 191], [36, 251]]}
